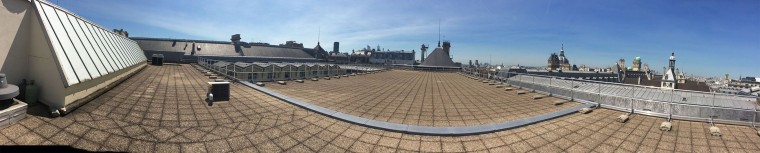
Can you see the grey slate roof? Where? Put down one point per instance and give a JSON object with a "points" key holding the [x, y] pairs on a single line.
{"points": [[217, 48], [152, 45], [263, 51], [438, 58]]}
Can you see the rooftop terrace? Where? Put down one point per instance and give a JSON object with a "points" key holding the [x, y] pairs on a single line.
{"points": [[420, 98], [161, 109]]}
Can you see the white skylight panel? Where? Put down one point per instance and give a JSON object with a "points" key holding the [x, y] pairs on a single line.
{"points": [[111, 48], [89, 50], [68, 23], [125, 50], [132, 51], [118, 49], [83, 50], [48, 16], [105, 56], [64, 34], [139, 53]]}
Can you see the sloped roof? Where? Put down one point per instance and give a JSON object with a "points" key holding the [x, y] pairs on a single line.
{"points": [[264, 51], [221, 63], [187, 47], [262, 64], [669, 76], [657, 80], [243, 64], [83, 51], [338, 55], [438, 58], [281, 64], [217, 48], [170, 46]]}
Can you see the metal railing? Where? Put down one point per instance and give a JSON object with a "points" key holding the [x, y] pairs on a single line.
{"points": [[362, 67], [270, 73], [378, 67], [654, 101]]}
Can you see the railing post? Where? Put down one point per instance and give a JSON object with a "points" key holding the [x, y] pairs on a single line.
{"points": [[550, 85], [534, 83], [572, 87], [670, 111], [633, 93], [713, 108], [634, 96], [754, 117], [599, 92], [521, 82]]}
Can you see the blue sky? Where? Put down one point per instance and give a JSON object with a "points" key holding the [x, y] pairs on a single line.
{"points": [[710, 38]]}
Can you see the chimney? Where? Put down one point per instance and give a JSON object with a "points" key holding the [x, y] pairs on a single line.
{"points": [[423, 50], [446, 47], [236, 41], [192, 50]]}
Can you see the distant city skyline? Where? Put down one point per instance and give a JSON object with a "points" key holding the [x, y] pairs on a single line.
{"points": [[710, 38]]}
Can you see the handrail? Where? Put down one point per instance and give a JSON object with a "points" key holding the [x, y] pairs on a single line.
{"points": [[651, 100], [737, 112], [589, 81], [623, 84]]}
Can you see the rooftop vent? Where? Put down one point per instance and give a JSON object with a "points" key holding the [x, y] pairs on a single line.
{"points": [[157, 59]]}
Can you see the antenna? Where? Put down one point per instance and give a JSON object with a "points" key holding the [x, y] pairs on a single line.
{"points": [[319, 34], [439, 32]]}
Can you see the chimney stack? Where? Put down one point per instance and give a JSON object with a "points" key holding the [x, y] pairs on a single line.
{"points": [[446, 47], [423, 50], [236, 42]]}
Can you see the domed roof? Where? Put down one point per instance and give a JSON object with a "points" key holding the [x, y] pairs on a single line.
{"points": [[637, 58]]}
